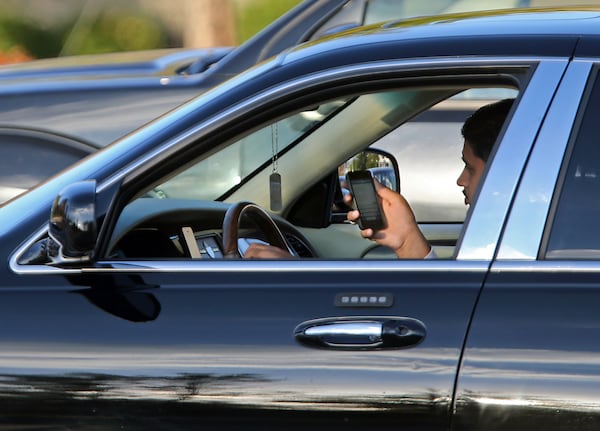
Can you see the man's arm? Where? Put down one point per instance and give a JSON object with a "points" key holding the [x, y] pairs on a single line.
{"points": [[402, 233]]}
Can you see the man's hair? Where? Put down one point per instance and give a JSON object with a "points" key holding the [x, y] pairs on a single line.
{"points": [[482, 128]]}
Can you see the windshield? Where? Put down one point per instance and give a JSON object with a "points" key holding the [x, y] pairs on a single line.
{"points": [[383, 10], [215, 175]]}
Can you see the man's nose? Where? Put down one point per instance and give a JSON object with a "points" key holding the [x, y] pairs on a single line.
{"points": [[460, 181]]}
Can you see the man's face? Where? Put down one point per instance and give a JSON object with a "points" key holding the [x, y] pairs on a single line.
{"points": [[471, 174]]}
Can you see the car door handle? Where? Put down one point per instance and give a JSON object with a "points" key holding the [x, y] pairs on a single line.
{"points": [[361, 333]]}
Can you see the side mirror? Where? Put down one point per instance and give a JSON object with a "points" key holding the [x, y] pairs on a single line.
{"points": [[73, 223]]}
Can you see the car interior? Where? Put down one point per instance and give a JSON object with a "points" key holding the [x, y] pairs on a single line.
{"points": [[182, 214]]}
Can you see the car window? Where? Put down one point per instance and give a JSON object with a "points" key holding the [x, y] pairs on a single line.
{"points": [[29, 157], [225, 169], [304, 149], [574, 230], [428, 149], [382, 10], [364, 12], [238, 162]]}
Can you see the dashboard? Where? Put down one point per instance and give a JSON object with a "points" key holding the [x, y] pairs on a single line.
{"points": [[151, 228]]}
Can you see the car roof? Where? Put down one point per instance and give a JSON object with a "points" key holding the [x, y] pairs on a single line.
{"points": [[514, 32], [522, 21]]}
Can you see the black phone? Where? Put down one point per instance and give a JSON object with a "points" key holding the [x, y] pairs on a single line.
{"points": [[362, 187]]}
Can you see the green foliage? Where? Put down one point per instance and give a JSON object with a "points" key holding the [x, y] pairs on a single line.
{"points": [[116, 30], [252, 16], [38, 42], [119, 28], [112, 30]]}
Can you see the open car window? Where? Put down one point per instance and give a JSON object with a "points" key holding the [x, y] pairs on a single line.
{"points": [[181, 215], [428, 149]]}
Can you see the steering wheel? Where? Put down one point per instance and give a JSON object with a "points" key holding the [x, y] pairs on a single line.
{"points": [[260, 217]]}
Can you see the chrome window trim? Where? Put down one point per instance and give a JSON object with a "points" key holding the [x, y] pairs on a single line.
{"points": [[525, 227], [486, 219], [299, 265], [540, 266], [547, 67]]}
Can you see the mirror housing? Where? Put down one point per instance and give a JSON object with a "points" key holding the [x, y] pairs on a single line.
{"points": [[73, 226]]}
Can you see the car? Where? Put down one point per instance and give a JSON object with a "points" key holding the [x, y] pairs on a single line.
{"points": [[90, 101], [125, 303], [54, 112]]}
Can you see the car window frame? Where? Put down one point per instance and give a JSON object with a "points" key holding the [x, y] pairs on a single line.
{"points": [[523, 234], [568, 204], [526, 67], [486, 220]]}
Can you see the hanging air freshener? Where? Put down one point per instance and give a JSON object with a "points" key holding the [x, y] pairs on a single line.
{"points": [[275, 178]]}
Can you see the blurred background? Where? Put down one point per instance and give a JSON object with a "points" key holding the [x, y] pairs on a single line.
{"points": [[32, 29]]}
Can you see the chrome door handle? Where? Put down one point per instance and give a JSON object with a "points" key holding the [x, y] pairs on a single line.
{"points": [[361, 333]]}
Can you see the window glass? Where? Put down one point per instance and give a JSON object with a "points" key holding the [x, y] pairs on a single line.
{"points": [[574, 232], [382, 10], [26, 161], [213, 176]]}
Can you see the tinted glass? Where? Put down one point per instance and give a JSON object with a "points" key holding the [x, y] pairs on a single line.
{"points": [[575, 232], [382, 10], [26, 161]]}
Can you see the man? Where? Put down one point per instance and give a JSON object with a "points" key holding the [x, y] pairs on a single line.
{"points": [[402, 233]]}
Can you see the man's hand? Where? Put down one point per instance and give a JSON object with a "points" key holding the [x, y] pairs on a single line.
{"points": [[265, 251], [402, 233]]}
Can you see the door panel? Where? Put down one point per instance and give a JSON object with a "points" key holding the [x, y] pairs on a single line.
{"points": [[533, 353], [219, 351]]}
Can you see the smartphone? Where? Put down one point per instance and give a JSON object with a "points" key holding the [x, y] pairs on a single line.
{"points": [[362, 187]]}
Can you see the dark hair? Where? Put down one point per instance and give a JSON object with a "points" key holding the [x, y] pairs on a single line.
{"points": [[483, 126]]}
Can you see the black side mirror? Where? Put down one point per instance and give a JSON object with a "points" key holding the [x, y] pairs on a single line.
{"points": [[73, 223]]}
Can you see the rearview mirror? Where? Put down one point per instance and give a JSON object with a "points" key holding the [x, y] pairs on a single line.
{"points": [[73, 223]]}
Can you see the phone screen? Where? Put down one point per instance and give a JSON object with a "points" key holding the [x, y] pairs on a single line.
{"points": [[365, 197]]}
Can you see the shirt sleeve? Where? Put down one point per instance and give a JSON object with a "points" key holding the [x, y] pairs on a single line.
{"points": [[431, 254]]}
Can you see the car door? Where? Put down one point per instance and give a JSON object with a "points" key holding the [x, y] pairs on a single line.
{"points": [[144, 343], [533, 355]]}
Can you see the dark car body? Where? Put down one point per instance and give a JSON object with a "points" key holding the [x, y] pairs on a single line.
{"points": [[119, 311]]}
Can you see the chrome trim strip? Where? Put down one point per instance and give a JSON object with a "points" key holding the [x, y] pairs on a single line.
{"points": [[525, 227], [284, 266], [35, 269], [279, 266], [487, 217], [539, 266], [29, 241]]}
